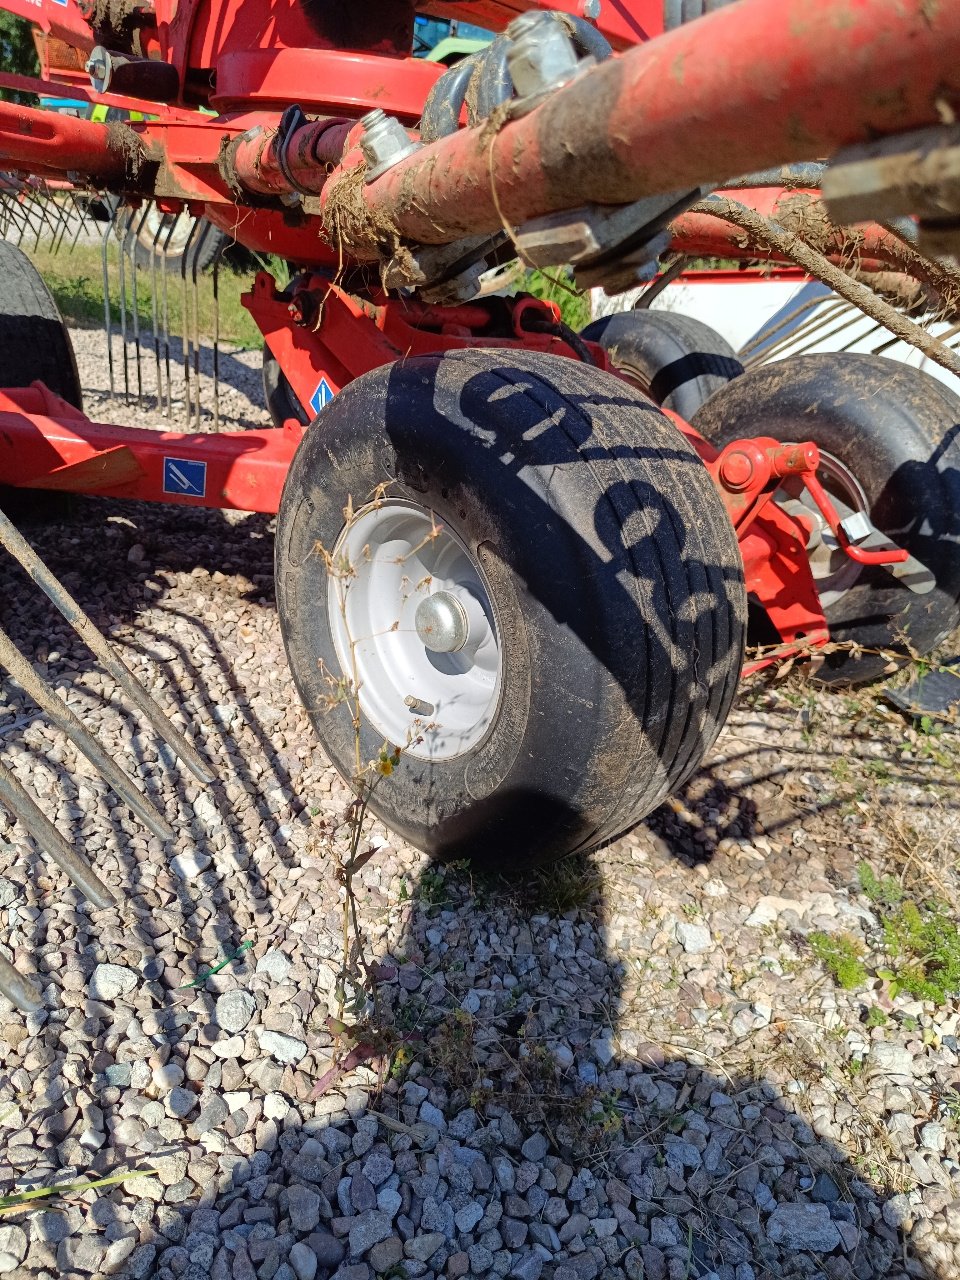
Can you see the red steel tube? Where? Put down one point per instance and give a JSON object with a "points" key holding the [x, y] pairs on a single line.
{"points": [[758, 83], [45, 140]]}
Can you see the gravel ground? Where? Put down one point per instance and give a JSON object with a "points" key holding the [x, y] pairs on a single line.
{"points": [[631, 1066]]}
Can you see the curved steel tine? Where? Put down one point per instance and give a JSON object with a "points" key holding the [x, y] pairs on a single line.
{"points": [[16, 544], [67, 722], [41, 829], [18, 989]]}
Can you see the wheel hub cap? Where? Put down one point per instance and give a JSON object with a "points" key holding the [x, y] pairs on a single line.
{"points": [[414, 630], [442, 623]]}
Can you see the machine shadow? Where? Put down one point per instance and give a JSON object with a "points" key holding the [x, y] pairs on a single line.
{"points": [[521, 1128]]}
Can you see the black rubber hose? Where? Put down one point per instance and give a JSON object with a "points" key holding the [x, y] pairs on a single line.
{"points": [[441, 111], [587, 40], [491, 84], [483, 80]]}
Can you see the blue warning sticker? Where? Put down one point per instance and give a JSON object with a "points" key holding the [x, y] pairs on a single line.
{"points": [[323, 395], [185, 476]]}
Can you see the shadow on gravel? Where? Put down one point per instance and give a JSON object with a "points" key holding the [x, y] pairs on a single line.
{"points": [[524, 1131], [527, 1127]]}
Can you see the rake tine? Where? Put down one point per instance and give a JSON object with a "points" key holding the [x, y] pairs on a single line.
{"points": [[43, 204], [154, 310], [16, 544], [218, 258], [189, 253], [107, 318], [166, 314], [134, 267], [68, 723], [21, 206], [18, 989], [205, 229], [63, 219], [122, 210], [41, 829], [81, 215]]}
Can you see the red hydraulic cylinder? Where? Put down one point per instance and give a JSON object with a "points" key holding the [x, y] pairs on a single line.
{"points": [[758, 83]]}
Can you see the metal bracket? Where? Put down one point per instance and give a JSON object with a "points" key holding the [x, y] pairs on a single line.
{"points": [[912, 173], [614, 248]]}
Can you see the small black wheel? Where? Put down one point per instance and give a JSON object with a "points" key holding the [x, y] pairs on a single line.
{"points": [[543, 603], [889, 436], [34, 346], [168, 238], [280, 398], [676, 360]]}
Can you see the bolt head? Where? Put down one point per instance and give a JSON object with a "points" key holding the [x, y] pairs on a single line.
{"points": [[590, 9]]}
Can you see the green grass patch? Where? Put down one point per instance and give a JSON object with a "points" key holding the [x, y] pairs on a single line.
{"points": [[558, 286], [841, 955], [75, 278]]}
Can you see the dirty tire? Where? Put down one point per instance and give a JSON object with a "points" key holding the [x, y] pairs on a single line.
{"points": [[34, 345], [898, 431], [678, 361], [280, 398], [613, 576]]}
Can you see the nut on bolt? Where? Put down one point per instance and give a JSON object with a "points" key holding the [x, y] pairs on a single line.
{"points": [[385, 142], [541, 56]]}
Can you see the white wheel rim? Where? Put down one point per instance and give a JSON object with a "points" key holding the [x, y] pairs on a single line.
{"points": [[414, 628], [833, 571]]}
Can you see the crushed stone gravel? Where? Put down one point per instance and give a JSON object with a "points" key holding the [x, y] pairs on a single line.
{"points": [[632, 1066]]}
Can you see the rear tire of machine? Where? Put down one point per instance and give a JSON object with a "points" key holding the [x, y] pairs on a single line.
{"points": [[34, 346], [678, 361], [897, 430]]}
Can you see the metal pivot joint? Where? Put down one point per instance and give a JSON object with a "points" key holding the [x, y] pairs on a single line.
{"points": [[385, 142]]}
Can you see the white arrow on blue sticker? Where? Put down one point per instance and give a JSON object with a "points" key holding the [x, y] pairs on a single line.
{"points": [[185, 476], [323, 395]]}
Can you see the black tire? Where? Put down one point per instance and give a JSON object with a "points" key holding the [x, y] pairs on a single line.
{"points": [[154, 235], [897, 430], [34, 346], [615, 582], [678, 361], [34, 342], [280, 398]]}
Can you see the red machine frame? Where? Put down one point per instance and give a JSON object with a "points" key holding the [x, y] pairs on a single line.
{"points": [[766, 81]]}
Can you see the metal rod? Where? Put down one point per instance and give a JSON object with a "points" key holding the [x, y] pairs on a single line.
{"points": [[666, 277], [205, 228], [813, 91], [218, 258], [107, 316], [24, 808], [154, 309], [134, 269], [164, 274], [69, 724], [14, 542], [18, 989], [121, 210], [817, 265]]}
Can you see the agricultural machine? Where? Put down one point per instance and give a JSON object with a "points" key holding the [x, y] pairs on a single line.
{"points": [[530, 555]]}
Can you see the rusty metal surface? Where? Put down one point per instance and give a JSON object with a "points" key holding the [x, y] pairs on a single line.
{"points": [[678, 112]]}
